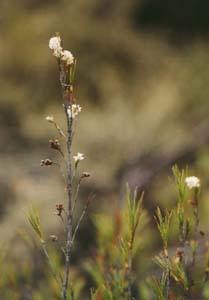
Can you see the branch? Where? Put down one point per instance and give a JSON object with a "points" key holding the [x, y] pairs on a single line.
{"points": [[88, 201]]}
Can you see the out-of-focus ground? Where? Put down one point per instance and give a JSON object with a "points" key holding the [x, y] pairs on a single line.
{"points": [[142, 81]]}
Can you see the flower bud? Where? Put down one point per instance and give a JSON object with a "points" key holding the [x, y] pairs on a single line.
{"points": [[46, 162]]}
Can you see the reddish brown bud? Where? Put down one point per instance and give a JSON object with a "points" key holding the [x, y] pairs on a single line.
{"points": [[46, 162], [202, 233], [54, 144], [179, 254], [84, 175], [59, 208], [192, 202]]}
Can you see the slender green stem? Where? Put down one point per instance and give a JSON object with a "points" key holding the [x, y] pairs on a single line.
{"points": [[81, 217], [51, 265], [61, 133], [129, 274], [167, 274], [76, 195]]}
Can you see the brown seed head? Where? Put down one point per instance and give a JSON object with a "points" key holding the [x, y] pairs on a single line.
{"points": [[54, 144], [53, 237], [179, 254], [85, 175], [59, 209], [46, 162]]}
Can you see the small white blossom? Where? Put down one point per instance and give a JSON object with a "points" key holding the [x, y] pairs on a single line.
{"points": [[74, 110], [55, 45], [50, 119], [192, 182], [78, 157], [55, 42], [68, 57]]}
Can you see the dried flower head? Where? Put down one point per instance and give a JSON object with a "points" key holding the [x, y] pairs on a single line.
{"points": [[78, 157], [67, 57], [74, 110], [50, 119], [46, 162], [59, 209], [54, 238], [55, 45], [54, 144], [192, 182], [85, 175]]}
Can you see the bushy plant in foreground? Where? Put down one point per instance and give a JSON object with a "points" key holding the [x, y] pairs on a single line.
{"points": [[182, 276]]}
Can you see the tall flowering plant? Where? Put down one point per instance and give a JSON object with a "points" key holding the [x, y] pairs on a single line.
{"points": [[67, 65]]}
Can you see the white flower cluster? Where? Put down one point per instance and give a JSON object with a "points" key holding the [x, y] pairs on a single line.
{"points": [[78, 157], [68, 57], [55, 45], [74, 110], [192, 182], [64, 55]]}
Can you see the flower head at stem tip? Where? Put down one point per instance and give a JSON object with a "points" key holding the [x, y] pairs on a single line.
{"points": [[78, 157], [55, 45], [192, 182], [67, 57]]}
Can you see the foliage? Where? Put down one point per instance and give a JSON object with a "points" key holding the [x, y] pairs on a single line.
{"points": [[34, 219], [111, 264]]}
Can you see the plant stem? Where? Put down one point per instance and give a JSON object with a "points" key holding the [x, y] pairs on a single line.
{"points": [[196, 217], [68, 99], [50, 263], [129, 274], [69, 211], [130, 259], [167, 274], [76, 195], [81, 217]]}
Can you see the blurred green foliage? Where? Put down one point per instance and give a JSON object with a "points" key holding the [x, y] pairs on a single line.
{"points": [[121, 262]]}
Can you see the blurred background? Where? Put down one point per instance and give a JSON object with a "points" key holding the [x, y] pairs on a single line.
{"points": [[143, 83]]}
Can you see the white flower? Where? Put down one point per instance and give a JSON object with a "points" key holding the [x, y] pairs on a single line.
{"points": [[55, 42], [74, 110], [78, 157], [192, 182], [55, 45], [68, 57], [50, 119]]}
